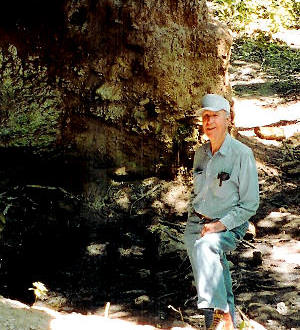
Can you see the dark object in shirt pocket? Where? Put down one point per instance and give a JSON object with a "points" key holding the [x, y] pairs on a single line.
{"points": [[223, 176], [198, 170]]}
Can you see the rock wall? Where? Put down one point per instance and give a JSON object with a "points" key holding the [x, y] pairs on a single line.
{"points": [[112, 82]]}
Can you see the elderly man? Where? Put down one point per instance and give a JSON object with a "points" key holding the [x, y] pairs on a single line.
{"points": [[225, 197]]}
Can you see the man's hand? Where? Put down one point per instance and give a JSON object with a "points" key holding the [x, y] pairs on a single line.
{"points": [[213, 227]]}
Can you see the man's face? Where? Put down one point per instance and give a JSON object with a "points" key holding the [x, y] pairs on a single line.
{"points": [[215, 124]]}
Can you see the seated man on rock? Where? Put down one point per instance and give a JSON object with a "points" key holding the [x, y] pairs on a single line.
{"points": [[225, 196]]}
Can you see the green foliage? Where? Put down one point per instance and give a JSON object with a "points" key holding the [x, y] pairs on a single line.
{"points": [[275, 58], [2, 222], [269, 15], [243, 325], [39, 290], [29, 106], [184, 132]]}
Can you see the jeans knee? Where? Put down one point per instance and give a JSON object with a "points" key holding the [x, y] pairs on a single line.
{"points": [[207, 243]]}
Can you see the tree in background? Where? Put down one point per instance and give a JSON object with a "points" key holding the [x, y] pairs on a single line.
{"points": [[249, 15]]}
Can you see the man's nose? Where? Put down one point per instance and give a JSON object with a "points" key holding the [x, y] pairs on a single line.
{"points": [[210, 120]]}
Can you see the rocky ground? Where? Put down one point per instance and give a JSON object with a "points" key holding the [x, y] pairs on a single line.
{"points": [[122, 245]]}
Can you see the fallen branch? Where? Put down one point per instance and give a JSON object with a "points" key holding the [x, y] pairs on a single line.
{"points": [[294, 171], [266, 287], [247, 243], [291, 163], [172, 236], [276, 124], [248, 323], [190, 299], [244, 316], [149, 192], [172, 224], [167, 295]]}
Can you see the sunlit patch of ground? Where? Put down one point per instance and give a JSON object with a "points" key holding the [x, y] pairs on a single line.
{"points": [[286, 223], [245, 73], [283, 255], [262, 96], [261, 111], [15, 315], [288, 252], [290, 37]]}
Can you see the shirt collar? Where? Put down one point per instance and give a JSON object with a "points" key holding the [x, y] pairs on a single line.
{"points": [[225, 146], [223, 149]]}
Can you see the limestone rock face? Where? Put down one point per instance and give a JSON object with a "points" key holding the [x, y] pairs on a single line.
{"points": [[31, 108], [112, 81]]}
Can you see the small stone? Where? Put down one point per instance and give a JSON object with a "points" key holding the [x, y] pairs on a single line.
{"points": [[257, 257], [144, 273], [142, 300], [282, 308], [251, 233]]}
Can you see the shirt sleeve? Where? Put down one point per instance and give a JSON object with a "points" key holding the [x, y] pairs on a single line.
{"points": [[197, 171], [190, 208], [248, 194]]}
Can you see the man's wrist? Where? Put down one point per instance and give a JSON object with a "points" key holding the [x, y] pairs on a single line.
{"points": [[220, 226], [213, 227]]}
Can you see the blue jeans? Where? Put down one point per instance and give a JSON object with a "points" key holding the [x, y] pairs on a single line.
{"points": [[210, 265]]}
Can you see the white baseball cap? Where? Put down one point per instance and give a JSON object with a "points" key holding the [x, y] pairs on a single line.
{"points": [[214, 102]]}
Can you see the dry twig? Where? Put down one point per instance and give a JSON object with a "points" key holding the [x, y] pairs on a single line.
{"points": [[178, 311], [106, 311]]}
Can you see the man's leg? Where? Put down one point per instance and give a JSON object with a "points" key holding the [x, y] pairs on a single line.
{"points": [[210, 279], [208, 262], [191, 235], [228, 284]]}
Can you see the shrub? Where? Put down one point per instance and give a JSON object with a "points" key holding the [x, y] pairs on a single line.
{"points": [[249, 15]]}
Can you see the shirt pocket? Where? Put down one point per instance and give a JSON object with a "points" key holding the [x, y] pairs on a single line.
{"points": [[227, 189]]}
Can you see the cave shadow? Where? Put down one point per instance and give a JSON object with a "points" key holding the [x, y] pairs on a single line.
{"points": [[47, 239]]}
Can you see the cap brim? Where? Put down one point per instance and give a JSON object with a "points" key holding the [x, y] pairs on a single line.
{"points": [[210, 109]]}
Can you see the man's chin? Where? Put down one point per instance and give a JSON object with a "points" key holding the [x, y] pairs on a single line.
{"points": [[210, 133]]}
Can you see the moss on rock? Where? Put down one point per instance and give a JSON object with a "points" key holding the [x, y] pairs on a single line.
{"points": [[30, 107]]}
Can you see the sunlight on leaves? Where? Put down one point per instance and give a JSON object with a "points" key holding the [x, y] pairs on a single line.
{"points": [[39, 289], [176, 197]]}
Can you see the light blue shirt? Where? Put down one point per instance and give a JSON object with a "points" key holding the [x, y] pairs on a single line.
{"points": [[237, 199]]}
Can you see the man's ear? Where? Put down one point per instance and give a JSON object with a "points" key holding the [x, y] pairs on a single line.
{"points": [[228, 121], [227, 117]]}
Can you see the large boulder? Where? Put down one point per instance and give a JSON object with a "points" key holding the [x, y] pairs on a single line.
{"points": [[114, 82]]}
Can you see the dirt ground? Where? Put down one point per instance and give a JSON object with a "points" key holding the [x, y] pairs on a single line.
{"points": [[265, 267]]}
